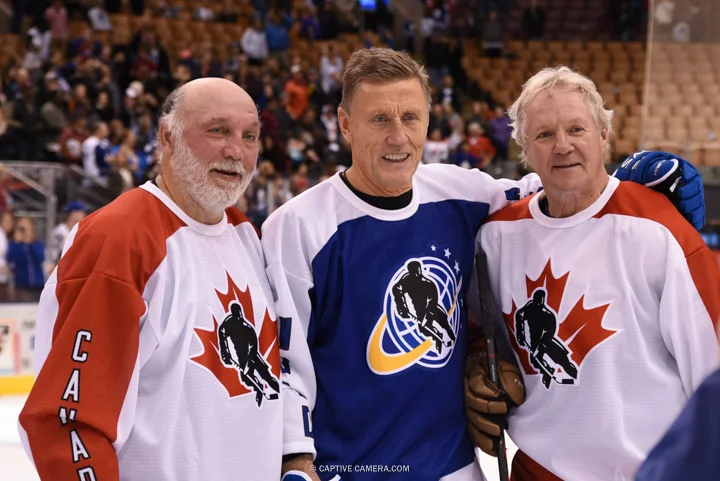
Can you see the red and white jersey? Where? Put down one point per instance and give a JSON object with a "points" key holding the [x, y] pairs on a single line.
{"points": [[156, 351], [611, 314]]}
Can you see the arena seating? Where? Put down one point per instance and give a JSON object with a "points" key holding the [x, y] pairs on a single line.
{"points": [[683, 91]]}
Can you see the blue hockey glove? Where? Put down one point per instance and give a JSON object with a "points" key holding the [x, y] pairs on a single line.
{"points": [[295, 476], [670, 175]]}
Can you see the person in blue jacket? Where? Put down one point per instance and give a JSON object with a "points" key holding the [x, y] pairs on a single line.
{"points": [[25, 256]]}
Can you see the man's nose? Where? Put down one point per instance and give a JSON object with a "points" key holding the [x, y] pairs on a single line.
{"points": [[563, 146], [232, 150], [397, 135]]}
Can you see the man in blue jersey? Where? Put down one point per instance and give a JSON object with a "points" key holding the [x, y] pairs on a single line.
{"points": [[367, 393]]}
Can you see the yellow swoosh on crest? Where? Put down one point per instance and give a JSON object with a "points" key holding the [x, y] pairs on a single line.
{"points": [[383, 363]]}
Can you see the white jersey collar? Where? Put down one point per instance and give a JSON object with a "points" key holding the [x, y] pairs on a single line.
{"points": [[199, 227], [372, 211], [580, 217]]}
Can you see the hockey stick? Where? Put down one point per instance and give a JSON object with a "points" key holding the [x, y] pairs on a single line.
{"points": [[488, 325]]}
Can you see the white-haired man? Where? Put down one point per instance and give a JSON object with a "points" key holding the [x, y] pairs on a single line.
{"points": [[132, 382], [371, 269], [609, 297]]}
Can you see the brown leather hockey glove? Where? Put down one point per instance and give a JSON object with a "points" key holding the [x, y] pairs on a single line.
{"points": [[485, 405]]}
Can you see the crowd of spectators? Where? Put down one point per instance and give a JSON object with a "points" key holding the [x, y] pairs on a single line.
{"points": [[79, 101]]}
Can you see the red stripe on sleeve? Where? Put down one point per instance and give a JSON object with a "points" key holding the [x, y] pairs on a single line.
{"points": [[71, 415]]}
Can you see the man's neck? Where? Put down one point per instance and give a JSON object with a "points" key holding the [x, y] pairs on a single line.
{"points": [[361, 182], [187, 204], [567, 204]]}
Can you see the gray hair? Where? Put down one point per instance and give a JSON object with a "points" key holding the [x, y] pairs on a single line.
{"points": [[547, 79], [170, 115]]}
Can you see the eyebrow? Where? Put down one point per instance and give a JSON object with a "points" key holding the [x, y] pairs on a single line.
{"points": [[212, 120], [381, 112]]}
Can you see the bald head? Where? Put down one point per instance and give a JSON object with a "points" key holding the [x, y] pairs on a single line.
{"points": [[208, 93], [205, 92]]}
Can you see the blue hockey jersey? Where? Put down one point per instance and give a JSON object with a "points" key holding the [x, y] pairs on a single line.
{"points": [[373, 323], [689, 450]]}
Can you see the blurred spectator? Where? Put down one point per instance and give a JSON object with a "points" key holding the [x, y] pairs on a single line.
{"points": [[203, 12], [457, 127], [125, 162], [72, 138], [297, 93], [163, 9], [79, 101], [11, 140], [448, 94], [500, 132], [437, 55], [278, 35], [25, 257], [493, 36], [74, 213], [480, 145], [534, 21], [7, 222], [436, 149], [331, 68], [40, 41], [255, 43], [57, 16], [310, 25], [329, 22], [95, 150], [664, 14], [210, 64], [99, 19], [465, 158], [439, 121], [330, 122], [480, 113], [103, 109], [229, 12]]}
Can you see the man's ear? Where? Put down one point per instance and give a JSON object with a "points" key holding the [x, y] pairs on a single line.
{"points": [[164, 137], [344, 123]]}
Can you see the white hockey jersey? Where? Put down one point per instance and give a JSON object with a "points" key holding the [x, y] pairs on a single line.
{"points": [[157, 351], [611, 314], [373, 325]]}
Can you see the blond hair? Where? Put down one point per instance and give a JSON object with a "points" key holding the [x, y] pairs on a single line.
{"points": [[380, 65], [546, 80]]}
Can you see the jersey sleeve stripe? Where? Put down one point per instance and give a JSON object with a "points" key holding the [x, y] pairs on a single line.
{"points": [[638, 201], [517, 211], [94, 311]]}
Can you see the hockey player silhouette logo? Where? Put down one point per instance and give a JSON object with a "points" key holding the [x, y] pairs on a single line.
{"points": [[547, 343], [420, 316], [536, 328], [422, 294], [239, 348]]}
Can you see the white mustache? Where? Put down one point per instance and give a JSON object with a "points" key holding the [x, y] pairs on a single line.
{"points": [[234, 166]]}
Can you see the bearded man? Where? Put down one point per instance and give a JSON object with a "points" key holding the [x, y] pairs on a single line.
{"points": [[130, 382]]}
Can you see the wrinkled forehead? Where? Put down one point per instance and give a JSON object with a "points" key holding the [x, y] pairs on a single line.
{"points": [[390, 96], [238, 116], [557, 103]]}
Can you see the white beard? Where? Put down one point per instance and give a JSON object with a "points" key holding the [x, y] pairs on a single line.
{"points": [[194, 180]]}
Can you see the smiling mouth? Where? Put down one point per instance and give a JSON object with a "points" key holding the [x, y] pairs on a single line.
{"points": [[565, 167], [227, 173], [396, 157]]}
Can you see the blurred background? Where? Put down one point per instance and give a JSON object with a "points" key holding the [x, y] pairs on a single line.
{"points": [[82, 82]]}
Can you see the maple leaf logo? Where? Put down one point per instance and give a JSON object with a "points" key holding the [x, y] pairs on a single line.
{"points": [[577, 334], [267, 341]]}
